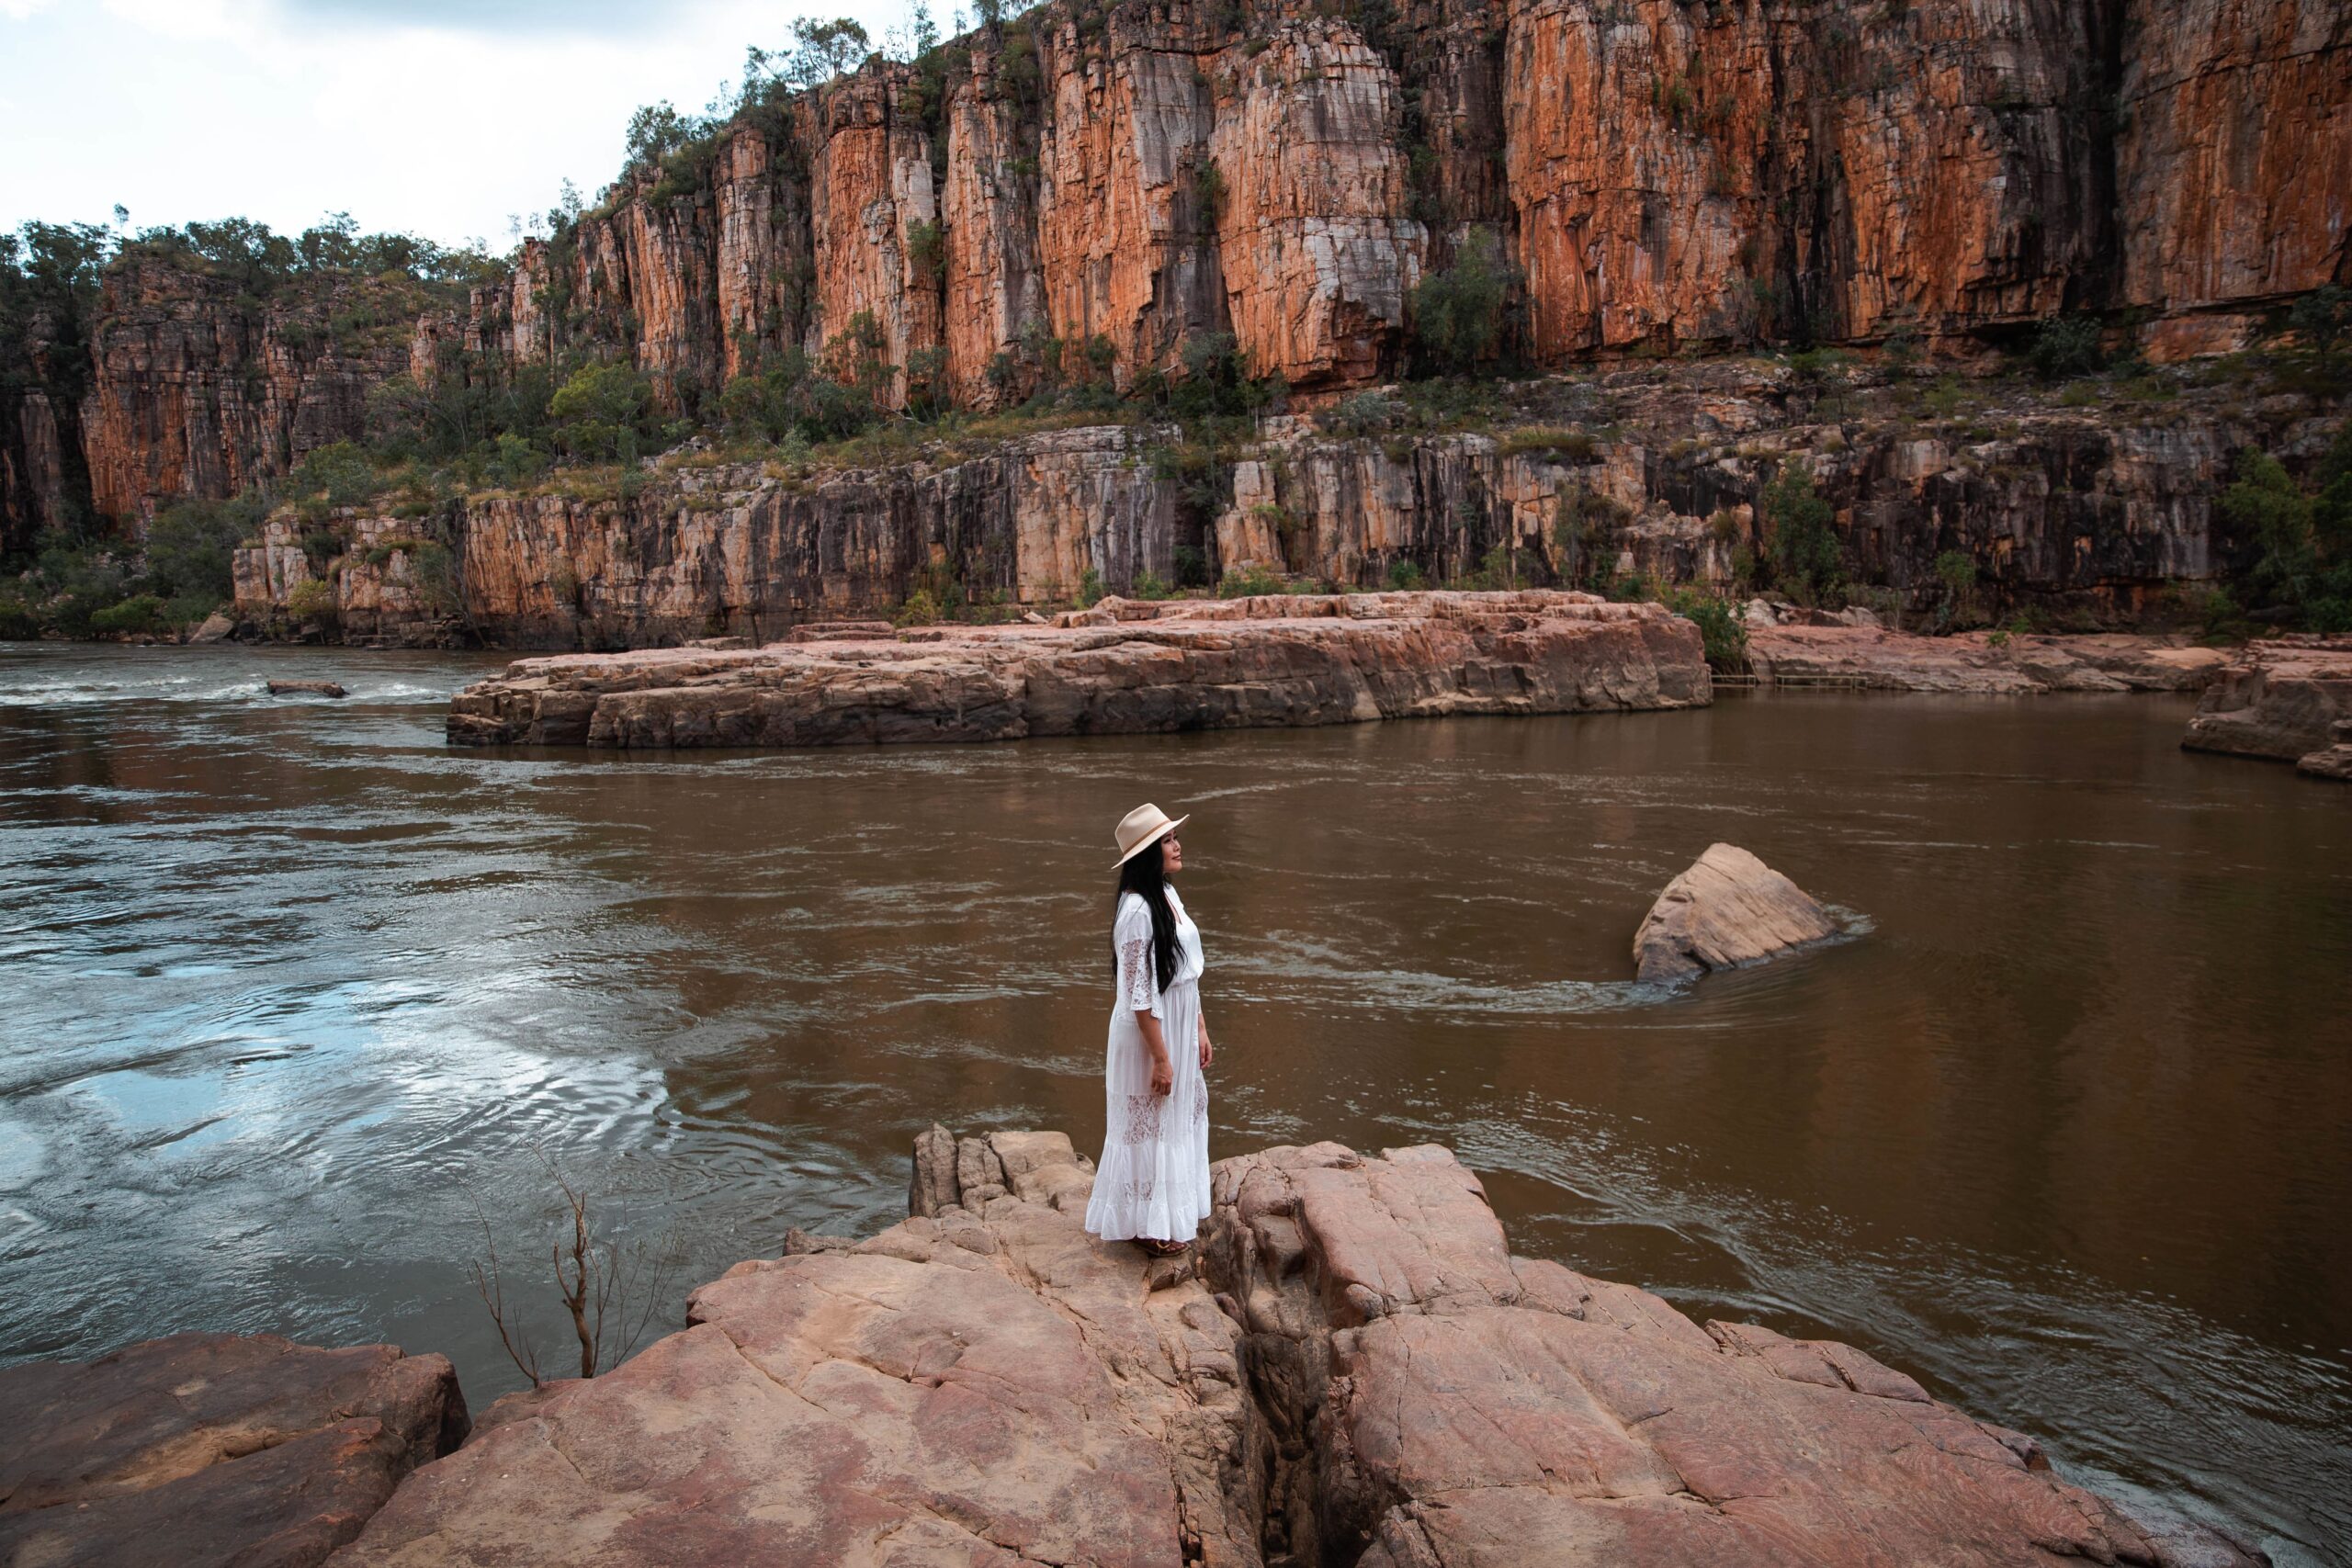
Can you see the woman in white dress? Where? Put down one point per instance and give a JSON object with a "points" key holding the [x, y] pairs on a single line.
{"points": [[1152, 1184]]}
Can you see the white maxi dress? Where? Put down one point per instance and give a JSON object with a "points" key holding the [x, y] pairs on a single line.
{"points": [[1153, 1178]]}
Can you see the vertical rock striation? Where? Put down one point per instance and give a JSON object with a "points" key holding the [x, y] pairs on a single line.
{"points": [[1116, 180]]}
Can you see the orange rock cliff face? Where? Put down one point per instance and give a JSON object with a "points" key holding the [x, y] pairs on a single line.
{"points": [[1117, 180]]}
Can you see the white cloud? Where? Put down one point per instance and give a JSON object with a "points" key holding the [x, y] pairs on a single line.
{"points": [[403, 116]]}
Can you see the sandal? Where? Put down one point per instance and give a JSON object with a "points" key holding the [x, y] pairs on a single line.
{"points": [[1154, 1247]]}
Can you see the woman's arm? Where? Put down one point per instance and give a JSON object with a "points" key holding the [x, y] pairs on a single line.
{"points": [[1163, 1071], [1207, 1050]]}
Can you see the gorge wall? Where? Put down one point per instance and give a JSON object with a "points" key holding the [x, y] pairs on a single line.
{"points": [[2084, 514], [1661, 175]]}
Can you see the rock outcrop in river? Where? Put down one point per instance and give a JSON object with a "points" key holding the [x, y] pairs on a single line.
{"points": [[1120, 669], [1353, 1370], [1351, 1367], [1868, 658], [2284, 698], [1728, 910]]}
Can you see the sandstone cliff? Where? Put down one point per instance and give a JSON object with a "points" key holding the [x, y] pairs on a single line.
{"points": [[201, 388], [1660, 175]]}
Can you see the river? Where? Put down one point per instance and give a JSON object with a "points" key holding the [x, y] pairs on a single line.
{"points": [[301, 1005]]}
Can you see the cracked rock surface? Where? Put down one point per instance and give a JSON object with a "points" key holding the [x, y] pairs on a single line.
{"points": [[1351, 1368]]}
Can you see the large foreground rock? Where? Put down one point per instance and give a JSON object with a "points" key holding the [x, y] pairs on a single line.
{"points": [[1351, 1368], [1729, 909], [1121, 669], [207, 1448], [2280, 698], [1875, 658]]}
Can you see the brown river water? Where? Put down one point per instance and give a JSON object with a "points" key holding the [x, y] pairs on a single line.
{"points": [[293, 999]]}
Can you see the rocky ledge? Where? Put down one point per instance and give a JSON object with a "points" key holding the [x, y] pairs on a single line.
{"points": [[1351, 1368], [2288, 698], [1123, 668], [213, 1449], [1979, 663]]}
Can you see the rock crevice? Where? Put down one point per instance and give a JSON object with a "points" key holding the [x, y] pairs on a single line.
{"points": [[1349, 1367]]}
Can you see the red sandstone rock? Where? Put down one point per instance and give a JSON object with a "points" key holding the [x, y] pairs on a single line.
{"points": [[2280, 698], [1351, 1368], [1219, 664], [984, 1387], [1728, 910], [1875, 658], [1473, 1407], [207, 1448]]}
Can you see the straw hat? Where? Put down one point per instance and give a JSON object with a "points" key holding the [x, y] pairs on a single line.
{"points": [[1145, 825]]}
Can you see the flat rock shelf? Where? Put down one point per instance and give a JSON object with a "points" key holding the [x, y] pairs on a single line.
{"points": [[1121, 668]]}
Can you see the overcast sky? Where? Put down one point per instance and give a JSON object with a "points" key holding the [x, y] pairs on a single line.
{"points": [[438, 117]]}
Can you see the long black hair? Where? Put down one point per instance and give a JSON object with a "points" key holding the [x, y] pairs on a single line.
{"points": [[1142, 874]]}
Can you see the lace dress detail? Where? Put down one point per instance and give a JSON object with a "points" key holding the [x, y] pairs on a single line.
{"points": [[1134, 967], [1143, 1118], [1153, 1178]]}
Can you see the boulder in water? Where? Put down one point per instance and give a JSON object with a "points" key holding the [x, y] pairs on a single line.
{"points": [[217, 628], [310, 688], [1729, 909]]}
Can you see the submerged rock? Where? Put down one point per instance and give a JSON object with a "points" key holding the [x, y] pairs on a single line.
{"points": [[1729, 909], [2280, 698], [213, 1449], [306, 688], [1121, 669], [1351, 1366]]}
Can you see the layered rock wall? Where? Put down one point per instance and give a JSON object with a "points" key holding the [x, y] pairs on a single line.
{"points": [[1658, 175], [198, 389], [2080, 513]]}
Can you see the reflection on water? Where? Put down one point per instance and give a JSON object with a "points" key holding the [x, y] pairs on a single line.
{"points": [[295, 997]]}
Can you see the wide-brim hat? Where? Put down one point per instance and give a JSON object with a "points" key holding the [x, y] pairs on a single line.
{"points": [[1142, 828]]}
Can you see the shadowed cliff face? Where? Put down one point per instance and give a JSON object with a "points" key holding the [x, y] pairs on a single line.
{"points": [[199, 390], [2085, 513], [1658, 175]]}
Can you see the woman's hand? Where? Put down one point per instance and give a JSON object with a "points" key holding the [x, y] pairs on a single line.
{"points": [[1163, 1071], [1208, 1051]]}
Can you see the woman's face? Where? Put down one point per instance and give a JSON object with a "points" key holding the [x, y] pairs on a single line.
{"points": [[1172, 856]]}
